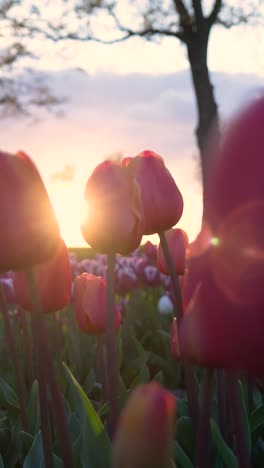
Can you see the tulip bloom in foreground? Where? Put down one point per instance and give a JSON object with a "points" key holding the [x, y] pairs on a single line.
{"points": [[161, 198], [145, 432], [89, 301], [113, 219], [53, 283], [29, 230], [224, 324], [177, 241]]}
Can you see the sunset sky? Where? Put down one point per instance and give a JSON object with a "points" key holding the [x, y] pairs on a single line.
{"points": [[125, 98]]}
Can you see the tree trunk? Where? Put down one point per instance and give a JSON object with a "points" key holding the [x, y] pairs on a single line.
{"points": [[206, 105]]}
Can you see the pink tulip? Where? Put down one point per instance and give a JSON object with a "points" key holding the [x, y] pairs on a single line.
{"points": [[53, 282], [161, 198], [89, 301], [114, 218], [223, 326], [145, 432], [29, 231]]}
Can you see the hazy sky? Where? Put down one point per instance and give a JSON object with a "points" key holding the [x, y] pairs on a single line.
{"points": [[130, 97]]}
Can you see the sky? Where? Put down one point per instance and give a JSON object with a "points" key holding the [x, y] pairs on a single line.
{"points": [[122, 99]]}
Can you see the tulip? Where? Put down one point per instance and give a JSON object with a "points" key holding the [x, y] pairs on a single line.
{"points": [[165, 305], [223, 325], [150, 250], [177, 241], [29, 231], [89, 301], [145, 432], [161, 198], [113, 221], [53, 282]]}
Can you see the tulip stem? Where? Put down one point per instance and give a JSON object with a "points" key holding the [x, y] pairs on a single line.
{"points": [[13, 351], [47, 366], [28, 348], [190, 383], [222, 403], [203, 429], [173, 275], [241, 445], [39, 343], [111, 351], [101, 365]]}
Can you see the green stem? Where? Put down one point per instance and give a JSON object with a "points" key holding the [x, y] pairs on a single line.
{"points": [[28, 348], [203, 429], [191, 387], [49, 370], [111, 351], [39, 344], [101, 365], [237, 420], [13, 351], [173, 275]]}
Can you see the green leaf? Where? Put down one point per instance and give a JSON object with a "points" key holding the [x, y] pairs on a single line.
{"points": [[94, 445], [226, 453], [8, 395], [35, 457], [181, 458], [257, 418], [245, 415], [33, 409], [1, 462], [257, 397], [185, 435]]}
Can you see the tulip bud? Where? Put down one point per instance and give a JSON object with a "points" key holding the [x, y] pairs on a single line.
{"points": [[53, 283], [114, 218], [89, 299], [223, 326], [161, 198], [145, 432], [29, 231], [177, 241]]}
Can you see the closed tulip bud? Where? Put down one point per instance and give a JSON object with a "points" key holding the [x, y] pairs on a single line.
{"points": [[177, 241], [113, 222], [145, 432], [89, 300], [223, 326], [29, 231], [161, 198], [174, 340], [53, 282]]}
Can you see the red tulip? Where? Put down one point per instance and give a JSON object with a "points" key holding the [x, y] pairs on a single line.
{"points": [[114, 218], [161, 198], [29, 231], [89, 301], [53, 282], [177, 241], [224, 324], [145, 432]]}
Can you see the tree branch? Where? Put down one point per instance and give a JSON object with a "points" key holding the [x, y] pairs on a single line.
{"points": [[198, 11], [215, 12], [185, 19]]}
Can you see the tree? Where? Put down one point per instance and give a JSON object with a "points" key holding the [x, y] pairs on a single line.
{"points": [[189, 21], [19, 91]]}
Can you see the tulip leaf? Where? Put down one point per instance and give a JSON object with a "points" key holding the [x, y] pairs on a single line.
{"points": [[35, 457], [1, 462], [226, 453], [245, 414], [33, 410], [257, 418], [181, 458], [94, 443], [8, 395], [185, 435]]}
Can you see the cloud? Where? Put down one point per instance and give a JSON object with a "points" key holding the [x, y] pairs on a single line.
{"points": [[65, 175]]}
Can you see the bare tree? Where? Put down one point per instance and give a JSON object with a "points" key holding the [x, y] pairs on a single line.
{"points": [[189, 21]]}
